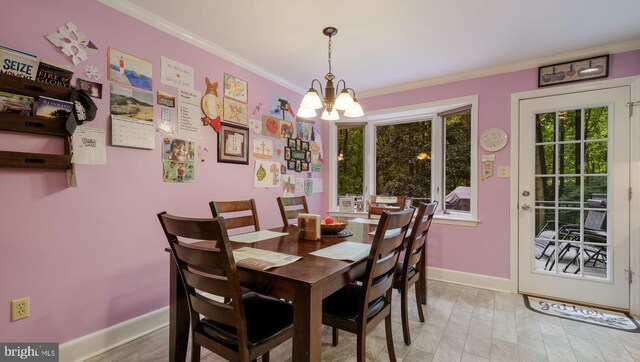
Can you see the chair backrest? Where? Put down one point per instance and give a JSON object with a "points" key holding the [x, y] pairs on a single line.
{"points": [[237, 214], [417, 240], [383, 258], [290, 207], [207, 269], [378, 204], [596, 219]]}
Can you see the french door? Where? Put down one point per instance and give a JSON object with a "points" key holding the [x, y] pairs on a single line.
{"points": [[573, 231]]}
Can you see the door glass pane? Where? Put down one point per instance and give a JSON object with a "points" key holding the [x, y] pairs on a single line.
{"points": [[594, 261], [595, 187], [569, 191], [596, 122], [569, 258], [595, 157], [545, 127], [546, 160], [569, 158], [570, 124], [546, 191]]}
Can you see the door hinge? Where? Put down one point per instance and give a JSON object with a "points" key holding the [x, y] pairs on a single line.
{"points": [[630, 192], [629, 274], [631, 104]]}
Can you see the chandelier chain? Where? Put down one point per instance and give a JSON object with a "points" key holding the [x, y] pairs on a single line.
{"points": [[329, 54]]}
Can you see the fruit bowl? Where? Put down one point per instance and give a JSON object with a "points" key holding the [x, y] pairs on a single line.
{"points": [[334, 228]]}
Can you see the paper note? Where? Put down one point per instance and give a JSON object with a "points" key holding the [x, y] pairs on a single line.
{"points": [[189, 113], [175, 74], [346, 250], [89, 146], [262, 259], [317, 186], [256, 236]]}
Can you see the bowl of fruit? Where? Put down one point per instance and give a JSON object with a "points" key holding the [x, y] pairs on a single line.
{"points": [[331, 226]]}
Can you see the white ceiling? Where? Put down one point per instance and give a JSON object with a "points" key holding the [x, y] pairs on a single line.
{"points": [[391, 45]]}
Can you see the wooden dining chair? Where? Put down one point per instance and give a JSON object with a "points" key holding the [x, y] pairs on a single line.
{"points": [[358, 308], [408, 271], [290, 207], [246, 327], [378, 204], [237, 214]]}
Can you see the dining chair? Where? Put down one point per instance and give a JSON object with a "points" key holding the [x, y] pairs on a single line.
{"points": [[237, 214], [290, 207], [360, 307], [378, 204], [246, 327], [408, 271]]}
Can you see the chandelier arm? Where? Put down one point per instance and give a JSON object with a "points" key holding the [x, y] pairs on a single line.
{"points": [[344, 86], [320, 87], [354, 93]]}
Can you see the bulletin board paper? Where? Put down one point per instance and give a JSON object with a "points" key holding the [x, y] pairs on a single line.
{"points": [[129, 132], [189, 114]]}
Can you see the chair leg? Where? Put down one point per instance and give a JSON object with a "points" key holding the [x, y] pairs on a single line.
{"points": [[362, 346], [195, 352], [265, 357], [405, 315], [389, 332], [334, 336], [419, 300]]}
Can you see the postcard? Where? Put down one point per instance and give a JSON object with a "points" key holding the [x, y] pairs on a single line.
{"points": [[92, 88]]}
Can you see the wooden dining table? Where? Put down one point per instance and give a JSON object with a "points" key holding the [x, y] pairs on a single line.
{"points": [[305, 282]]}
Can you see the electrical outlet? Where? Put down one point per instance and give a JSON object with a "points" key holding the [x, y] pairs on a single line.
{"points": [[19, 308]]}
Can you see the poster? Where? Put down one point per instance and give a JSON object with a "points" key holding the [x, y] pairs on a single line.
{"points": [[89, 146], [266, 174], [189, 113], [178, 160], [175, 74]]}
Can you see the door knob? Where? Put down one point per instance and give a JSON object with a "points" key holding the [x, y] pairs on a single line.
{"points": [[525, 207]]}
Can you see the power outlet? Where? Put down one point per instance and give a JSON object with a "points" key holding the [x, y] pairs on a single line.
{"points": [[20, 308]]}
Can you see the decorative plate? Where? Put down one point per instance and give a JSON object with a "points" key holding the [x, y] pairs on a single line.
{"points": [[493, 139]]}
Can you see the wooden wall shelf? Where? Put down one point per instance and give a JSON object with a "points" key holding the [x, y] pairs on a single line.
{"points": [[34, 125]]}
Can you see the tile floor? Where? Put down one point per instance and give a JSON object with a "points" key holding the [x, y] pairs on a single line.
{"points": [[463, 324]]}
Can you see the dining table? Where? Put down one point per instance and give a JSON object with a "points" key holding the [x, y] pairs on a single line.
{"points": [[305, 282]]}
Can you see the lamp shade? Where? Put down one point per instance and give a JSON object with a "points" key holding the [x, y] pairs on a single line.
{"points": [[344, 101], [311, 100], [306, 112], [355, 111], [330, 116]]}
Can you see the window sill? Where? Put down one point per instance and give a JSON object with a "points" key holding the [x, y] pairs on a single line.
{"points": [[448, 219]]}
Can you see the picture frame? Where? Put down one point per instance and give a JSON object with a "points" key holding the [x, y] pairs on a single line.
{"points": [[291, 142], [287, 153], [346, 204], [291, 165], [305, 146], [304, 166], [574, 71], [235, 88], [233, 144], [298, 166], [298, 143]]}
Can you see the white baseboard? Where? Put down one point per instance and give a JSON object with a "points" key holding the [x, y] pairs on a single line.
{"points": [[103, 340], [471, 280]]}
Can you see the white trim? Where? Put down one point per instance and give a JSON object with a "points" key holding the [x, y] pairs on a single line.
{"points": [[183, 34], [506, 68], [469, 279], [634, 252], [93, 344]]}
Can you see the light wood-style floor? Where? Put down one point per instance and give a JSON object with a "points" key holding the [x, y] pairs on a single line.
{"points": [[463, 324]]}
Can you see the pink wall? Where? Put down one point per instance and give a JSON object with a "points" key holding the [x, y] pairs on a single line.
{"points": [[485, 249], [93, 256]]}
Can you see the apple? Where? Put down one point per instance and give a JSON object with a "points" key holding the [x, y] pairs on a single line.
{"points": [[328, 220]]}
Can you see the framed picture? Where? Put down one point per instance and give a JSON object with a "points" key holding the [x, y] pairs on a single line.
{"points": [[233, 144], [308, 159], [287, 153], [298, 143], [291, 165], [305, 166], [298, 166], [92, 88], [235, 88], [575, 71], [235, 112], [305, 145], [291, 142], [346, 204]]}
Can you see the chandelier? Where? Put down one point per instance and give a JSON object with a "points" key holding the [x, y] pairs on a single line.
{"points": [[344, 102]]}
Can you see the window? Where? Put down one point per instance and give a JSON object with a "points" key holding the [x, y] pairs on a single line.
{"points": [[425, 152]]}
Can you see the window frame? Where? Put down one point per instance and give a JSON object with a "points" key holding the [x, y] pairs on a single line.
{"points": [[408, 114]]}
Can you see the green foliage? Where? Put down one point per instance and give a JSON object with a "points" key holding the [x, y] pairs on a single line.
{"points": [[458, 151], [350, 168]]}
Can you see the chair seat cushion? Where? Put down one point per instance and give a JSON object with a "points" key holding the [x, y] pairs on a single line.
{"points": [[266, 316], [344, 303], [400, 269]]}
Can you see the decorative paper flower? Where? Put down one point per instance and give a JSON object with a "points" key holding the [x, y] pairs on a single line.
{"points": [[92, 72], [72, 42]]}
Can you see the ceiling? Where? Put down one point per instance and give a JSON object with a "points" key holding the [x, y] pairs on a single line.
{"points": [[384, 46]]}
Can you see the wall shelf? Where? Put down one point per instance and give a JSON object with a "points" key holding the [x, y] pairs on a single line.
{"points": [[11, 122]]}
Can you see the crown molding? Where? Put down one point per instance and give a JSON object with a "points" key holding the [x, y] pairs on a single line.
{"points": [[505, 68], [168, 27]]}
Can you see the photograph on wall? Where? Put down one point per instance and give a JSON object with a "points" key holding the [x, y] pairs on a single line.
{"points": [[129, 70], [262, 148], [178, 160], [166, 99], [235, 112], [266, 174], [93, 89], [235, 88], [132, 103]]}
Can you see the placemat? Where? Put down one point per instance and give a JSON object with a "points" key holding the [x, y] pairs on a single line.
{"points": [[341, 234]]}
